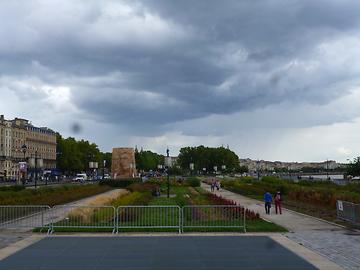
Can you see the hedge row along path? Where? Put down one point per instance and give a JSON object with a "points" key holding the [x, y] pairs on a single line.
{"points": [[334, 242]]}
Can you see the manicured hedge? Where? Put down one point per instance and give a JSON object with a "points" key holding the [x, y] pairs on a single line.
{"points": [[120, 183], [193, 182], [12, 188], [50, 195]]}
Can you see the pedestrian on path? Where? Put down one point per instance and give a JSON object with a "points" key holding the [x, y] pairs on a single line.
{"points": [[213, 185], [277, 200], [267, 200], [218, 185]]}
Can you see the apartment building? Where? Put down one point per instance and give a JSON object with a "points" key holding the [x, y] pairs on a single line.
{"points": [[40, 144], [264, 165]]}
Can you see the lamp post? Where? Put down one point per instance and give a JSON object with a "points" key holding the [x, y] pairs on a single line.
{"points": [[223, 168], [215, 169], [104, 164], [57, 165], [192, 166], [24, 149], [36, 173], [327, 169], [167, 172]]}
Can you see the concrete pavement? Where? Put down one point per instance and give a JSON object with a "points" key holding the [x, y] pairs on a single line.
{"points": [[334, 242], [291, 220]]}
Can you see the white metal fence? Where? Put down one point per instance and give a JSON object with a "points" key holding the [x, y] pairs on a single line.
{"points": [[348, 211], [213, 216], [83, 217], [149, 217], [24, 216], [123, 218]]}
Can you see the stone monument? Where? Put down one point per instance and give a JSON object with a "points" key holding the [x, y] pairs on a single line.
{"points": [[123, 163]]}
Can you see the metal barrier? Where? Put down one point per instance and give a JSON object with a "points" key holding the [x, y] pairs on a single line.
{"points": [[25, 216], [83, 217], [149, 217], [109, 218], [213, 216], [348, 211]]}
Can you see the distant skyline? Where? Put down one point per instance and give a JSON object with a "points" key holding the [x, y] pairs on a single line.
{"points": [[274, 80]]}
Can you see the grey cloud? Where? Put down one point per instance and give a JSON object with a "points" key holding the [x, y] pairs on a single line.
{"points": [[185, 65]]}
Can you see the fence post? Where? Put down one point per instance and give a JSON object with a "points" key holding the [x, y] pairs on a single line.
{"points": [[244, 220], [114, 221], [117, 219], [180, 219]]}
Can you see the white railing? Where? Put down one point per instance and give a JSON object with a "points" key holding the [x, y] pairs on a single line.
{"points": [[123, 218]]}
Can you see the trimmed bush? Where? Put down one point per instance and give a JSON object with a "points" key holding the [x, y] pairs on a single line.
{"points": [[50, 195], [12, 188], [119, 183], [193, 182]]}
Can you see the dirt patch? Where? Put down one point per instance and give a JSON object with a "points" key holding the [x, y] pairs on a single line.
{"points": [[98, 200], [193, 191], [105, 198]]}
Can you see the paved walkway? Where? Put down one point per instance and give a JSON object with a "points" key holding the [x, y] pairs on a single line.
{"points": [[156, 253], [334, 242]]}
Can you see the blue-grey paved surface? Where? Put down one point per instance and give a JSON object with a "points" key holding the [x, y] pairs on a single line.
{"points": [[189, 252]]}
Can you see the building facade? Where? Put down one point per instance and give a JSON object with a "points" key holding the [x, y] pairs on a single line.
{"points": [[264, 165], [40, 145]]}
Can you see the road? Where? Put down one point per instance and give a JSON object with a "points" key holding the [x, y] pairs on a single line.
{"points": [[336, 243], [49, 183]]}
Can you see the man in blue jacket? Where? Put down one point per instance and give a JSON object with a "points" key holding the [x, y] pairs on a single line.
{"points": [[267, 200]]}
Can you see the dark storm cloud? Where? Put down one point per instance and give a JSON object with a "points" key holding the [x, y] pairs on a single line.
{"points": [[151, 63]]}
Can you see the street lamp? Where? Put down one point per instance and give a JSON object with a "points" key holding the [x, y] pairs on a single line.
{"points": [[167, 171], [327, 169], [36, 173], [192, 166], [104, 164], [57, 165], [223, 168], [24, 149]]}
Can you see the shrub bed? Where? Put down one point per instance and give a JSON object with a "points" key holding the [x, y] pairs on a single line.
{"points": [[50, 195], [313, 198], [119, 183]]}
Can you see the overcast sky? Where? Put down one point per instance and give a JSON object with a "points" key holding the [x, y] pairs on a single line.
{"points": [[274, 79]]}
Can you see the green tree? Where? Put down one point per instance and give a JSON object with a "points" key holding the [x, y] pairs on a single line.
{"points": [[354, 167], [74, 156], [208, 157], [147, 160]]}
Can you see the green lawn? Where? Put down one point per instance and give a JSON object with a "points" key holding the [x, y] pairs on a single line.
{"points": [[155, 217]]}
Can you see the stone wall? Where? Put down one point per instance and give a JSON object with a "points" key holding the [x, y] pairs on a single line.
{"points": [[123, 163]]}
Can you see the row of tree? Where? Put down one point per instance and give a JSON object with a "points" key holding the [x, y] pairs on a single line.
{"points": [[74, 156], [354, 167], [147, 160], [209, 157]]}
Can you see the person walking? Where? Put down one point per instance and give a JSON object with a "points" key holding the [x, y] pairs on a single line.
{"points": [[212, 185], [267, 200], [277, 200]]}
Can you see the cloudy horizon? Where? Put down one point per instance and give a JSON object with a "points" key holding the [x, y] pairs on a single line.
{"points": [[274, 80]]}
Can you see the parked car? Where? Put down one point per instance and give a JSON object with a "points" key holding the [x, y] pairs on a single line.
{"points": [[80, 177]]}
